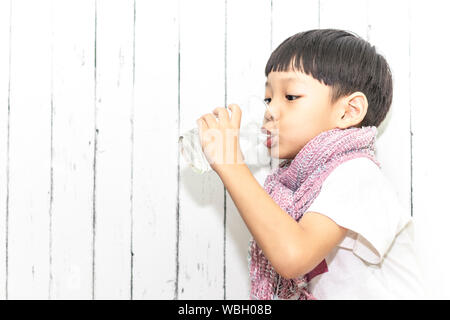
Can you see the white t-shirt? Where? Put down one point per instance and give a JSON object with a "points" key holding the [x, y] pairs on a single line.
{"points": [[376, 259]]}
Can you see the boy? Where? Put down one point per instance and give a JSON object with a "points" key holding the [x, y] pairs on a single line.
{"points": [[327, 223]]}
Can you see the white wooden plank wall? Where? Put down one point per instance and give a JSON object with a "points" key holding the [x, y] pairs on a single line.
{"points": [[114, 91], [29, 151], [96, 202], [430, 110], [154, 157], [74, 149], [5, 14]]}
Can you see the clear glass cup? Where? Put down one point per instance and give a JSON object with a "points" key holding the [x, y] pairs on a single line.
{"points": [[254, 139]]}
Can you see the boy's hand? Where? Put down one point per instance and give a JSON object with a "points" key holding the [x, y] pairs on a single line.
{"points": [[219, 137]]}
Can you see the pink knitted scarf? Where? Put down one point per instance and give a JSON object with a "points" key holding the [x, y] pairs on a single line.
{"points": [[294, 186]]}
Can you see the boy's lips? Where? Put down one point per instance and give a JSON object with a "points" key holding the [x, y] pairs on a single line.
{"points": [[271, 141]]}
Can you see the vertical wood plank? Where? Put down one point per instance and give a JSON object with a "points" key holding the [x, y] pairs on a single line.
{"points": [[114, 48], [388, 30], [155, 121], [290, 17], [201, 208], [4, 121], [350, 15], [74, 140], [29, 164], [430, 111], [247, 52]]}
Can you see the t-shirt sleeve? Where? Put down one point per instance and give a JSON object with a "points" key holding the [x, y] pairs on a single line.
{"points": [[357, 196]]}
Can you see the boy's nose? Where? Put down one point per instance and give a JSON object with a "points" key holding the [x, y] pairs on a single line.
{"points": [[270, 122], [272, 112]]}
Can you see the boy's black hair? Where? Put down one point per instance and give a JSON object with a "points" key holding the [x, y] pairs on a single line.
{"points": [[342, 60]]}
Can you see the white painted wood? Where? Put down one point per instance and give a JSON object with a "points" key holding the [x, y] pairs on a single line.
{"points": [[388, 31], [116, 213], [350, 15], [4, 87], [430, 111], [247, 52], [114, 47], [155, 121], [73, 149], [290, 17], [29, 158], [201, 211]]}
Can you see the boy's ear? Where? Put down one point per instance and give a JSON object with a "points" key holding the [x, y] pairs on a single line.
{"points": [[353, 110]]}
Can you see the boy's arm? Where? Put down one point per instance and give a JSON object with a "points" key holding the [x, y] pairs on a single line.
{"points": [[293, 248]]}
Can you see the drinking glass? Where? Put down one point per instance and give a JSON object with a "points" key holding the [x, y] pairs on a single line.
{"points": [[254, 137]]}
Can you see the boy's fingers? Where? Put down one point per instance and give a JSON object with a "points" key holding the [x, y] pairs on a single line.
{"points": [[236, 114], [200, 125], [210, 120], [221, 113]]}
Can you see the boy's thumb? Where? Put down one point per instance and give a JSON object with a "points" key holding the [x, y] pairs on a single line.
{"points": [[235, 115]]}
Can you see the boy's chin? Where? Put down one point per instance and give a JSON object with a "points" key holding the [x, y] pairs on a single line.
{"points": [[280, 157], [275, 153]]}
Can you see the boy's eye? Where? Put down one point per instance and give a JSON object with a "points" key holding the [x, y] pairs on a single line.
{"points": [[290, 97]]}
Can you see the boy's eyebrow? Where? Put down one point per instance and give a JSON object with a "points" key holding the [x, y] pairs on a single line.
{"points": [[290, 79]]}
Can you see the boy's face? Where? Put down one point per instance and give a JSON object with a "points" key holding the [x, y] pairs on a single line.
{"points": [[301, 110]]}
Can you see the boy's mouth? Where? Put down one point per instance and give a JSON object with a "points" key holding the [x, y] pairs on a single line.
{"points": [[270, 141], [271, 138]]}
